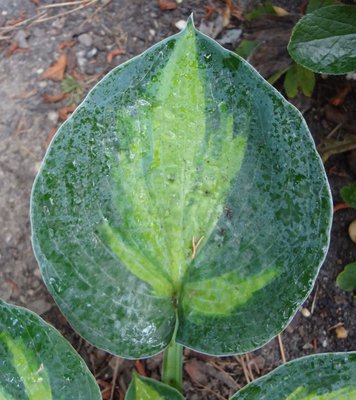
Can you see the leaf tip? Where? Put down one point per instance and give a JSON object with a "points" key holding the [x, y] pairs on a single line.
{"points": [[190, 23]]}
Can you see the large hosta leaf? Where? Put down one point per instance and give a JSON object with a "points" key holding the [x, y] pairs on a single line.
{"points": [[324, 41], [37, 363], [183, 187], [317, 377]]}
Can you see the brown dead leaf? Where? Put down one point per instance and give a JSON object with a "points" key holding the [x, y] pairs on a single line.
{"points": [[56, 71], [235, 11], [140, 368], [195, 370], [114, 53], [13, 49], [341, 332], [65, 111], [106, 388], [50, 136], [37, 2], [165, 5], [10, 51], [47, 98], [340, 97], [64, 45]]}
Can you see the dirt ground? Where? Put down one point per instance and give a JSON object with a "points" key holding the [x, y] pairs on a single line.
{"points": [[95, 36]]}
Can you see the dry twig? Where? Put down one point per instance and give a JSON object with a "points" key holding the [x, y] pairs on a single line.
{"points": [[281, 349]]}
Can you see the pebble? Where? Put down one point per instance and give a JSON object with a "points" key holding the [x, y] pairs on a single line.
{"points": [[58, 23], [180, 24], [39, 306], [39, 71], [81, 59], [85, 39], [53, 116], [38, 32], [231, 37], [341, 332], [92, 53], [324, 343], [352, 231], [21, 39], [305, 312]]}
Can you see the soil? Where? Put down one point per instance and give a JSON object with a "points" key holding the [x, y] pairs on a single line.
{"points": [[88, 34]]}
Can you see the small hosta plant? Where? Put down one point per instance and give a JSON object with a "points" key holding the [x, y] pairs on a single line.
{"points": [[183, 204], [324, 40]]}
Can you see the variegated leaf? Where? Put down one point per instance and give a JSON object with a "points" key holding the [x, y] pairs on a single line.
{"points": [[183, 188]]}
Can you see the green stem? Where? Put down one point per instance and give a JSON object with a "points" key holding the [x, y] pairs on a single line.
{"points": [[172, 373]]}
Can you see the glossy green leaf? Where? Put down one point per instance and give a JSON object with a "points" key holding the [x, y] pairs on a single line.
{"points": [[324, 41], [318, 377], [348, 194], [184, 186], [314, 5], [37, 363], [142, 388], [346, 280]]}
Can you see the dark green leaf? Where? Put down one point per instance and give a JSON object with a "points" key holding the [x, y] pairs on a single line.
{"points": [[246, 48], [183, 145], [346, 280], [316, 4], [260, 11], [324, 41], [318, 377], [37, 363], [348, 194], [149, 389]]}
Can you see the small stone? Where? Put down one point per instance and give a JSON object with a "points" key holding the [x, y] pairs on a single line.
{"points": [[42, 84], [152, 32], [180, 24], [352, 231], [21, 39], [36, 166], [324, 343], [231, 37], [58, 23], [341, 332], [92, 53], [305, 312], [308, 346], [39, 71], [39, 306], [85, 39], [53, 116], [39, 32], [81, 60], [351, 76]]}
